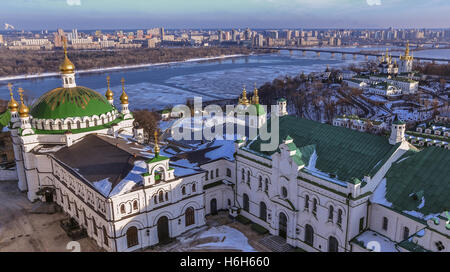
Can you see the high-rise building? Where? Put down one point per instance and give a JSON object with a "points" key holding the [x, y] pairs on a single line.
{"points": [[161, 33]]}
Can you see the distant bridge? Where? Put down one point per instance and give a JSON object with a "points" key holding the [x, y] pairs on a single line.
{"points": [[345, 53]]}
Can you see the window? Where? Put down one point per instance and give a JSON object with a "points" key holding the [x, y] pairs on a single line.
{"points": [[183, 190], [333, 245], [206, 176], [246, 202], [94, 225], [132, 237], [167, 196], [228, 172], [339, 219], [405, 233], [189, 216], [243, 175], [314, 210], [194, 188], [260, 183], [155, 200], [122, 208], [361, 224], [307, 202], [284, 192], [330, 213], [309, 235], [212, 174], [248, 178], [135, 205], [263, 211], [266, 186], [217, 172], [105, 236], [161, 196], [229, 202], [385, 223], [440, 246]]}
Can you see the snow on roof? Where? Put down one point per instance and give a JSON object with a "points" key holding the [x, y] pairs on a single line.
{"points": [[379, 195], [376, 242]]}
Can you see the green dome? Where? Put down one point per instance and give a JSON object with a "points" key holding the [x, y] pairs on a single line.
{"points": [[61, 103]]}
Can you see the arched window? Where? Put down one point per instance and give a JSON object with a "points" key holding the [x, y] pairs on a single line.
{"points": [[167, 196], [135, 205], [229, 202], [246, 203], [183, 190], [333, 244], [385, 223], [260, 183], [248, 177], [243, 175], [94, 225], [132, 237], [194, 188], [314, 210], [212, 174], [217, 172], [405, 233], [307, 202], [95, 122], [78, 124], [122, 208], [189, 216], [309, 235], [339, 219], [263, 211], [161, 197], [330, 213], [105, 236], [266, 185], [284, 192], [155, 200]]}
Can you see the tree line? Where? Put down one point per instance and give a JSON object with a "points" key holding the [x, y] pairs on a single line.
{"points": [[14, 62]]}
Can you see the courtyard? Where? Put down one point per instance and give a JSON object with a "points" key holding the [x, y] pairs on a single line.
{"points": [[21, 230]]}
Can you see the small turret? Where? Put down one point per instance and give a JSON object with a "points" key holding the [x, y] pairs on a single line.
{"points": [[282, 107], [124, 100], [67, 69], [398, 129]]}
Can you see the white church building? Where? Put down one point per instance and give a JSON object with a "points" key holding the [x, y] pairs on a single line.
{"points": [[325, 188]]}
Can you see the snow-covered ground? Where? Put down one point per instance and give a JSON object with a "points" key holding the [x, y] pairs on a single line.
{"points": [[215, 238]]}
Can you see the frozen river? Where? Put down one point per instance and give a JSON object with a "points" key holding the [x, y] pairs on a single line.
{"points": [[156, 87]]}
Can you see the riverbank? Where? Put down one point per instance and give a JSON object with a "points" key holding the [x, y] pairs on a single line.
{"points": [[118, 68]]}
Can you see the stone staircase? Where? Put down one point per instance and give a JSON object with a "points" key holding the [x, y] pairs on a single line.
{"points": [[276, 244]]}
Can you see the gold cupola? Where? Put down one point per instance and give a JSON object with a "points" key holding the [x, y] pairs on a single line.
{"points": [[243, 100], [13, 106], [67, 67], [156, 143], [124, 96], [109, 94], [255, 98], [24, 111]]}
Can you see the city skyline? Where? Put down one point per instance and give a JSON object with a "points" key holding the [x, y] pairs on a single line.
{"points": [[52, 14]]}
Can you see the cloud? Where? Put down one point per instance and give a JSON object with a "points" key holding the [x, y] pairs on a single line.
{"points": [[73, 2], [374, 2]]}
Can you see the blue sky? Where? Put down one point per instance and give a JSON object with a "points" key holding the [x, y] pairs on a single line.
{"points": [[121, 14]]}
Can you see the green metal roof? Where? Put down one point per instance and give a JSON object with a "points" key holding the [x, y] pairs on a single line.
{"points": [[419, 176], [70, 102], [344, 152]]}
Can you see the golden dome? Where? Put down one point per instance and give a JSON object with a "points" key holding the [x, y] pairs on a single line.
{"points": [[109, 94], [243, 100], [24, 111], [12, 105], [124, 96], [255, 98], [67, 67]]}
